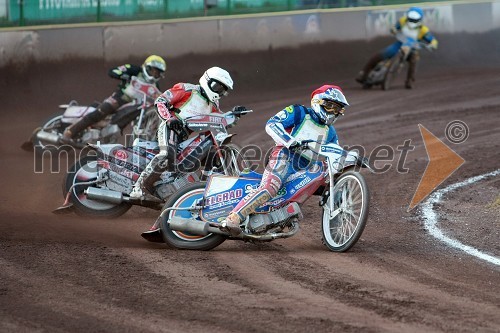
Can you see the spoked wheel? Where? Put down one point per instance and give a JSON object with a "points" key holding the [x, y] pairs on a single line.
{"points": [[393, 71], [231, 164], [233, 160], [148, 130], [184, 198], [151, 123], [343, 223], [85, 171]]}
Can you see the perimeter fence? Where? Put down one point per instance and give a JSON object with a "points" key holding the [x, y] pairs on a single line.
{"points": [[15, 13]]}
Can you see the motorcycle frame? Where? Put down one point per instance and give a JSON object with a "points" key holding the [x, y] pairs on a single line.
{"points": [[217, 131], [338, 161], [216, 135]]}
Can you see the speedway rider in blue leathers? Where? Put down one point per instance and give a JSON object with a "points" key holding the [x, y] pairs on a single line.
{"points": [[410, 25], [289, 128]]}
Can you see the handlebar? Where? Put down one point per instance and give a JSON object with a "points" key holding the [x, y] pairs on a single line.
{"points": [[411, 42], [303, 145], [225, 115], [240, 112]]}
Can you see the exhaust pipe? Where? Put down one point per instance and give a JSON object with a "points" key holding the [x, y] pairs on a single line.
{"points": [[100, 194], [47, 137], [201, 228], [194, 227]]}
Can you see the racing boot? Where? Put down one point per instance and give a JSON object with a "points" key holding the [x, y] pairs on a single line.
{"points": [[148, 176], [153, 234], [361, 78], [140, 192], [372, 62], [232, 224], [67, 136], [72, 131], [412, 67]]}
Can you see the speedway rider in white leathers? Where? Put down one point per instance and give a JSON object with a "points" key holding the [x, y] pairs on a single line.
{"points": [[173, 106], [410, 25], [288, 128]]}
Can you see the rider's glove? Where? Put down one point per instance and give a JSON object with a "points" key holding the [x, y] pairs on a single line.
{"points": [[175, 124], [364, 160], [238, 109], [292, 143], [434, 44], [124, 77]]}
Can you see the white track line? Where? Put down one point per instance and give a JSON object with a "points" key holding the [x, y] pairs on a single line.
{"points": [[431, 219]]}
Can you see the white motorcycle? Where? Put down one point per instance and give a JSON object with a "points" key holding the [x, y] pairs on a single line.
{"points": [[99, 183], [140, 113]]}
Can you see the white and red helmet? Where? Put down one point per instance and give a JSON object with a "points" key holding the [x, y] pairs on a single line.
{"points": [[328, 102]]}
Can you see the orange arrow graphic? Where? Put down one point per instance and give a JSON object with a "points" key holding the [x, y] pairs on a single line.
{"points": [[443, 161]]}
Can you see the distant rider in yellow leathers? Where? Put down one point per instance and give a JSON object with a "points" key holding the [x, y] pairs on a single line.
{"points": [[410, 25]]}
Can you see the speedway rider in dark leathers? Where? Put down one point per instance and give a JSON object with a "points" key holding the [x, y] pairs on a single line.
{"points": [[173, 106], [151, 71], [410, 25], [288, 128]]}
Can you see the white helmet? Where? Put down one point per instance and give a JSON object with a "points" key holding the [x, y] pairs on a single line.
{"points": [[216, 82], [414, 17]]}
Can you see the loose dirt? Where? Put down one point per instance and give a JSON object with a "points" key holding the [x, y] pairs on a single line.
{"points": [[72, 274]]}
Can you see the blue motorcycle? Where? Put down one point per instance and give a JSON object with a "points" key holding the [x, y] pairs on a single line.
{"points": [[191, 218]]}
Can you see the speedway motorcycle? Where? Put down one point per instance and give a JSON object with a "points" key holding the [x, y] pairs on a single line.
{"points": [[192, 217], [99, 184], [387, 70], [140, 113]]}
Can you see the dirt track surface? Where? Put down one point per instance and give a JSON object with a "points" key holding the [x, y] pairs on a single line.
{"points": [[71, 274]]}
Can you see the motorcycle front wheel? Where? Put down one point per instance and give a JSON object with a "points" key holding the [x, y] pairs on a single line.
{"points": [[185, 198], [148, 129], [232, 162], [393, 71], [85, 171], [343, 224]]}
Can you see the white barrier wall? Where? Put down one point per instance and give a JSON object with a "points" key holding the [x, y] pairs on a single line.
{"points": [[243, 33]]}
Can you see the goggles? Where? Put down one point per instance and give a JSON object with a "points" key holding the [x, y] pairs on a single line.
{"points": [[331, 106], [155, 72], [218, 87], [414, 20]]}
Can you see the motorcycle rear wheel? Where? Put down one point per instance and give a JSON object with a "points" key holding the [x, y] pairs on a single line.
{"points": [[54, 125], [185, 197], [351, 202], [85, 170]]}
